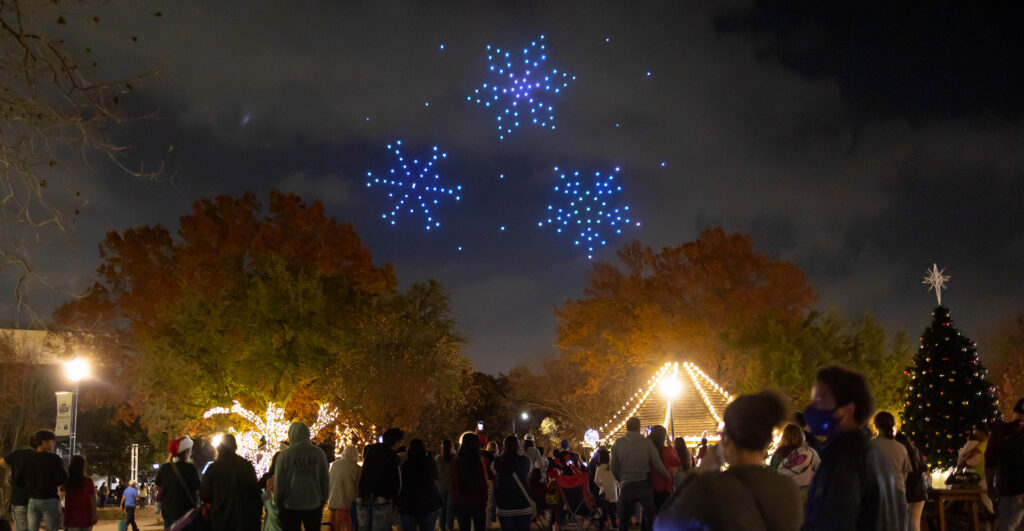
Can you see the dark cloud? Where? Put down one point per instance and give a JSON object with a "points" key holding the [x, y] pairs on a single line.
{"points": [[806, 150], [919, 59]]}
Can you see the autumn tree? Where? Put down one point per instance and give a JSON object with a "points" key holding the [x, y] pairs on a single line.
{"points": [[261, 306], [708, 301]]}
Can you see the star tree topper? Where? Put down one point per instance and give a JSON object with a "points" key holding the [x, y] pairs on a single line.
{"points": [[935, 279]]}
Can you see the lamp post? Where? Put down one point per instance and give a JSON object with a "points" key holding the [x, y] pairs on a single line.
{"points": [[524, 415], [75, 370], [671, 387]]}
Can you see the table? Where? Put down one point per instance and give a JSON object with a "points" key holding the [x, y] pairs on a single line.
{"points": [[971, 495]]}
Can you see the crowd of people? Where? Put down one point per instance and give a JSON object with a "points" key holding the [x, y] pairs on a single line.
{"points": [[825, 472]]}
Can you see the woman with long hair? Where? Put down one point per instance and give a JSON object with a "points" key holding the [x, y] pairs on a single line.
{"points": [[748, 495], [917, 492], [79, 497], [661, 485], [685, 457], [469, 484], [794, 458], [419, 501], [512, 501], [444, 482]]}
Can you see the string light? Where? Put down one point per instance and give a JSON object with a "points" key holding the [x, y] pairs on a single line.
{"points": [[259, 444], [701, 381], [653, 382], [712, 383], [414, 186], [703, 394], [518, 81], [583, 208]]}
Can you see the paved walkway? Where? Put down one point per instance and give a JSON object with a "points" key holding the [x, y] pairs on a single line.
{"points": [[146, 518]]}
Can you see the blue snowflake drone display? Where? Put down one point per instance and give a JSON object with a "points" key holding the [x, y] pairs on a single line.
{"points": [[583, 209], [413, 187], [519, 81]]}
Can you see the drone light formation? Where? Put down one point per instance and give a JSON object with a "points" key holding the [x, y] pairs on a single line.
{"points": [[414, 186], [585, 209], [519, 81]]}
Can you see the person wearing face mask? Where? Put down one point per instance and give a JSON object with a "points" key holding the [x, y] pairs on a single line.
{"points": [[748, 495], [855, 485]]}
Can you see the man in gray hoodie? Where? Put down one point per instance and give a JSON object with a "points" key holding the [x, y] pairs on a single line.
{"points": [[301, 481], [633, 458]]}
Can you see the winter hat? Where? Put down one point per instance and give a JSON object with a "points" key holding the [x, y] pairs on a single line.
{"points": [[528, 437], [184, 443], [176, 446]]}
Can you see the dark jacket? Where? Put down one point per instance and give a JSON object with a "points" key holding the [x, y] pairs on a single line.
{"points": [[40, 475], [1004, 460], [301, 480], [751, 498], [231, 489], [854, 488], [175, 501], [381, 475], [419, 486], [509, 498]]}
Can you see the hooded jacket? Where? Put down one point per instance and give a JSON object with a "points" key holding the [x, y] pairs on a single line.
{"points": [[748, 497], [301, 480], [344, 474]]}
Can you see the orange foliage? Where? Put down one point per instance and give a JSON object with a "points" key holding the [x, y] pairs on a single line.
{"points": [[705, 301]]}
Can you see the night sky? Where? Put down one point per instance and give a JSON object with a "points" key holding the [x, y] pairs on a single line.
{"points": [[862, 143]]}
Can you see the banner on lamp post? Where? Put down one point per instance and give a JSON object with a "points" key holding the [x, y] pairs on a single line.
{"points": [[63, 414]]}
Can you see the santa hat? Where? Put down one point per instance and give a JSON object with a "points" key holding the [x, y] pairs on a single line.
{"points": [[176, 446]]}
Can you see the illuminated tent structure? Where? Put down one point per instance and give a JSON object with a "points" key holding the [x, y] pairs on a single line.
{"points": [[696, 406]]}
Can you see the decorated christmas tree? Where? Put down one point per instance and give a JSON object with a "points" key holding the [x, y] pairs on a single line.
{"points": [[948, 394]]}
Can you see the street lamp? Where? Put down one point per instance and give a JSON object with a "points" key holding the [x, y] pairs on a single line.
{"points": [[75, 370], [524, 415], [671, 388]]}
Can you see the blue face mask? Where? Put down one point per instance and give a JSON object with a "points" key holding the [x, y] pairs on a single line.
{"points": [[821, 422]]}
